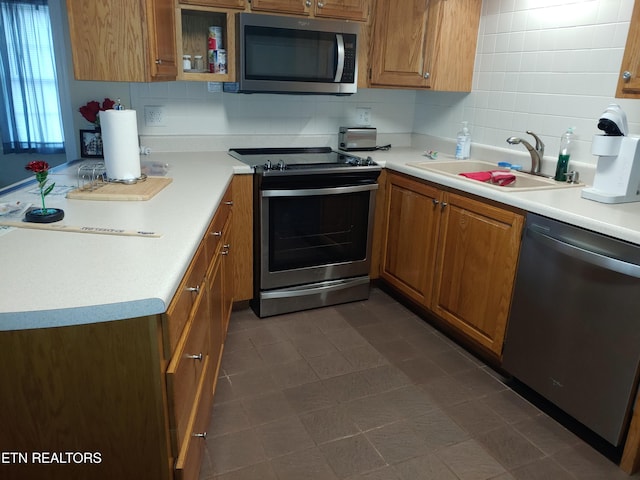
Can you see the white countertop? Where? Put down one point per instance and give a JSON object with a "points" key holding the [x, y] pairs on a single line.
{"points": [[621, 220], [51, 278]]}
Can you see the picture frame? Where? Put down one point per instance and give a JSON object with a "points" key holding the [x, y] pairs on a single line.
{"points": [[91, 144]]}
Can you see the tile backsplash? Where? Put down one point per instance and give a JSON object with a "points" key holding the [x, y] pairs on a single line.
{"points": [[541, 65]]}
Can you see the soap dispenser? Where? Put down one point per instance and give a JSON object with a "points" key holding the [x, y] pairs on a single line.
{"points": [[463, 142], [563, 155]]}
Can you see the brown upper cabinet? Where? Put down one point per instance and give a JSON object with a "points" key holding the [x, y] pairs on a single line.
{"points": [[425, 44], [123, 40], [629, 80]]}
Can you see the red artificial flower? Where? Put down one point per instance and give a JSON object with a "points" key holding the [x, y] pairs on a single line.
{"points": [[37, 166], [91, 109]]}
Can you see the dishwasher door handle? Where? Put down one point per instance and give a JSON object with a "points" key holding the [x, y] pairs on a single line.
{"points": [[594, 258]]}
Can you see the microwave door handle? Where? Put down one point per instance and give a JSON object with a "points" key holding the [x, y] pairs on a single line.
{"points": [[340, 66]]}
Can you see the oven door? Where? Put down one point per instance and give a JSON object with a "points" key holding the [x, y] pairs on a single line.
{"points": [[310, 235]]}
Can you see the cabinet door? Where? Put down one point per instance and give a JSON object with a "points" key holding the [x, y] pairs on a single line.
{"points": [[630, 88], [399, 43], [162, 39], [122, 40], [357, 10], [477, 257], [297, 7], [413, 211]]}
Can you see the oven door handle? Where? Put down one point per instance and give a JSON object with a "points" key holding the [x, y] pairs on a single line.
{"points": [[309, 192]]}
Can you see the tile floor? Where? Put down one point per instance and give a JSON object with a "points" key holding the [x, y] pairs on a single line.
{"points": [[368, 390]]}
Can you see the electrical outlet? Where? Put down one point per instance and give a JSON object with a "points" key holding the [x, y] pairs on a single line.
{"points": [[363, 116], [154, 116]]}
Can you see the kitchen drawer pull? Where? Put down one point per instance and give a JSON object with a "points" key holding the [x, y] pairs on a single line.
{"points": [[435, 202], [216, 234], [200, 435], [444, 204], [194, 357], [230, 202], [195, 289], [320, 4]]}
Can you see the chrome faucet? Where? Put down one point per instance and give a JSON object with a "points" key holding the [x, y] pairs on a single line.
{"points": [[536, 153]]}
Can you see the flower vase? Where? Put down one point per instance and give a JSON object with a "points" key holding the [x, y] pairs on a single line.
{"points": [[44, 215]]}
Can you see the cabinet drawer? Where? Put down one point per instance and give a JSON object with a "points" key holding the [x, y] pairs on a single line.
{"points": [[186, 369], [190, 456], [185, 298], [216, 228]]}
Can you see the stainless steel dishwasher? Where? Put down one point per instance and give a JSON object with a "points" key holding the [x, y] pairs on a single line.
{"points": [[574, 328]]}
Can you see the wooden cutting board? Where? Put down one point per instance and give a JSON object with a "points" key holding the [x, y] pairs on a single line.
{"points": [[121, 192]]}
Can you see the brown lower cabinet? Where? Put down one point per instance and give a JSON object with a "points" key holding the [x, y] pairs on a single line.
{"points": [[127, 399], [453, 255]]}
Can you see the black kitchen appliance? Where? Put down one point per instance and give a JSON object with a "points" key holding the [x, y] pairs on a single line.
{"points": [[313, 219]]}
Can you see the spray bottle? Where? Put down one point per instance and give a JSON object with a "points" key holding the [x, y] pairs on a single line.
{"points": [[463, 142]]}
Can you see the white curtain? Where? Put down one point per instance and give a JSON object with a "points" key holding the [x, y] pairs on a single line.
{"points": [[30, 118]]}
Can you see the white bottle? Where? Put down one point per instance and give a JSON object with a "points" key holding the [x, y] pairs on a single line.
{"points": [[463, 142]]}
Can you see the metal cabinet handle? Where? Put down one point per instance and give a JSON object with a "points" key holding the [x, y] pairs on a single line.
{"points": [[194, 357], [308, 3], [216, 234], [225, 249], [435, 201], [200, 435], [443, 205], [230, 202], [320, 4], [159, 61], [195, 289], [426, 75], [626, 75]]}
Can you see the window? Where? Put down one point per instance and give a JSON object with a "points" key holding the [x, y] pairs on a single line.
{"points": [[30, 116]]}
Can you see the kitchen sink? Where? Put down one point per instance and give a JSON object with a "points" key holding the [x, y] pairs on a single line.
{"points": [[524, 181]]}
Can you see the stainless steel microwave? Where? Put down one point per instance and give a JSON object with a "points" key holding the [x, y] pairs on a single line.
{"points": [[278, 54]]}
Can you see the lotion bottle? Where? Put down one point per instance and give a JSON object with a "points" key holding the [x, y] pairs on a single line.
{"points": [[563, 155], [463, 142]]}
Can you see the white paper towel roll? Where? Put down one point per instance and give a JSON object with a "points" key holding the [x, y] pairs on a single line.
{"points": [[120, 144]]}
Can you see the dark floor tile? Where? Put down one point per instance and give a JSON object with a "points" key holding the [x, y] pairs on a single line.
{"points": [[227, 418], [509, 447], [385, 377], [380, 332], [328, 319], [329, 424], [241, 361], [237, 341], [266, 334], [331, 365], [511, 406], [474, 417], [446, 391], [252, 382], [224, 392], [469, 461], [348, 387], [306, 464], [397, 442], [308, 397], [430, 344], [351, 455], [372, 411], [542, 469], [438, 430], [235, 450], [347, 339], [294, 373], [279, 352], [284, 436], [479, 382], [586, 463], [426, 466], [409, 401], [364, 357], [358, 314], [388, 472], [421, 369], [314, 345], [453, 362], [397, 350], [267, 408], [547, 434], [259, 471]]}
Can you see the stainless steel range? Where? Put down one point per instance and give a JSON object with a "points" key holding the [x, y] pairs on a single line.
{"points": [[313, 219]]}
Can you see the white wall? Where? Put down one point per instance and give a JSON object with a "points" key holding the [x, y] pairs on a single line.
{"points": [[541, 65]]}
